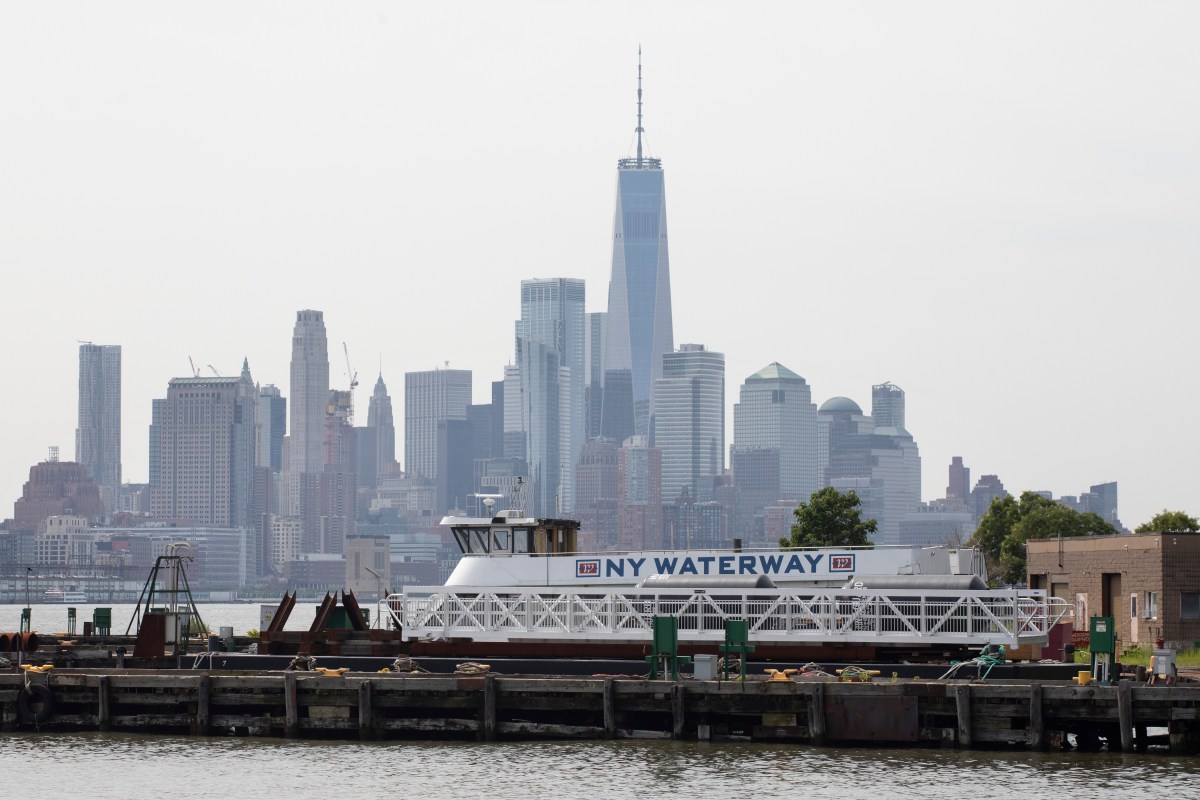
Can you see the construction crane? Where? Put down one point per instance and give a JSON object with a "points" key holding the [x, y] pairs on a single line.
{"points": [[195, 372], [214, 370], [350, 373]]}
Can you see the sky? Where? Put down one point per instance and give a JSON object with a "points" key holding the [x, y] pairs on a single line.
{"points": [[994, 206]]}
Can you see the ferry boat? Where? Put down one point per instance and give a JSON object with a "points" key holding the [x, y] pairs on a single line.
{"points": [[63, 596], [523, 588]]}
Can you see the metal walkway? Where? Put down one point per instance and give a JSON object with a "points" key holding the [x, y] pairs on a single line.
{"points": [[918, 617]]}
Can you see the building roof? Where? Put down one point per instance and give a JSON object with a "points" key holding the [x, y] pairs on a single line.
{"points": [[839, 404], [775, 372]]}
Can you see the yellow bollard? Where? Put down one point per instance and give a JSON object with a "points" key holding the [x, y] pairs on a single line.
{"points": [[1084, 677]]}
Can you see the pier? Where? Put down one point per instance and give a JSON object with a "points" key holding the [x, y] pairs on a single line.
{"points": [[488, 707]]}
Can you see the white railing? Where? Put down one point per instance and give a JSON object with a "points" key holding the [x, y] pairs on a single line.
{"points": [[908, 616]]}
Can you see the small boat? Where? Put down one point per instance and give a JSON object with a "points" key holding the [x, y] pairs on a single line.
{"points": [[63, 596]]}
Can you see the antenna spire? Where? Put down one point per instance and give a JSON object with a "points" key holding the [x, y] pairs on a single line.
{"points": [[640, 129]]}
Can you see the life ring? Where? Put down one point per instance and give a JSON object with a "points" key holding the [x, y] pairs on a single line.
{"points": [[35, 703]]}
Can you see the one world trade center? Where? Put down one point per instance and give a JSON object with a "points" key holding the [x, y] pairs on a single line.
{"points": [[639, 293]]}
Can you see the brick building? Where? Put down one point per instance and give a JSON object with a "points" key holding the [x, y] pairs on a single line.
{"points": [[1149, 582]]}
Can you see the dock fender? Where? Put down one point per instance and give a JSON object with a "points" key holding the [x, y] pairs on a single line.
{"points": [[35, 703]]}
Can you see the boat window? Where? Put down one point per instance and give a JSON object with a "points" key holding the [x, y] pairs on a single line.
{"points": [[461, 536], [521, 540], [479, 540], [503, 536]]}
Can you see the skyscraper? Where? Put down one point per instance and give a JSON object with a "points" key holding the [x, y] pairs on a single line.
{"points": [[550, 359], [272, 417], [310, 393], [206, 446], [688, 421], [379, 420], [776, 411], [429, 398], [639, 293], [98, 437]]}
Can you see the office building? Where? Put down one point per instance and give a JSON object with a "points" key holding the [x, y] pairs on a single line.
{"points": [[550, 362], [206, 444], [775, 411], [430, 398], [310, 392], [688, 421], [98, 435]]}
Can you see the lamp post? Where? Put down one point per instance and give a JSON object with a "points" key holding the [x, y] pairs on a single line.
{"points": [[378, 594]]}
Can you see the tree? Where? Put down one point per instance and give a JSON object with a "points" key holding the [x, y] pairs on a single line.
{"points": [[1169, 522], [830, 519], [1009, 523]]}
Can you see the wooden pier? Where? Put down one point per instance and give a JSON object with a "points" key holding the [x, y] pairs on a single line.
{"points": [[491, 707]]}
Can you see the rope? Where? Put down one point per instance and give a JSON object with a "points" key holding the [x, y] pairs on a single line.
{"points": [[472, 668], [405, 664], [990, 657], [851, 673], [301, 664]]}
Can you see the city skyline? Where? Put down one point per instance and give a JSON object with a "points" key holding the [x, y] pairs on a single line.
{"points": [[920, 206]]}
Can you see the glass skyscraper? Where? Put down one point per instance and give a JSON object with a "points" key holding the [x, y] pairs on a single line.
{"points": [[98, 437], [688, 421], [639, 293], [550, 359]]}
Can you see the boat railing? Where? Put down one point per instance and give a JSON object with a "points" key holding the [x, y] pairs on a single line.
{"points": [[917, 616]]}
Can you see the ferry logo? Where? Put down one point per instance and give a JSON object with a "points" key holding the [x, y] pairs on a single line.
{"points": [[587, 568], [843, 563]]}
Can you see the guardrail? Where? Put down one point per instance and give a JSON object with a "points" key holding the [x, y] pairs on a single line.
{"points": [[910, 616]]}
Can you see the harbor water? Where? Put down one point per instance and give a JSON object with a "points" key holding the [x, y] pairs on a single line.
{"points": [[101, 766]]}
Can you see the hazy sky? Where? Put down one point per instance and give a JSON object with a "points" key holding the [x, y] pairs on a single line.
{"points": [[994, 206]]}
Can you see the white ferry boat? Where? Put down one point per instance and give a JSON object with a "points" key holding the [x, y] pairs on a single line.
{"points": [[523, 588], [63, 596]]}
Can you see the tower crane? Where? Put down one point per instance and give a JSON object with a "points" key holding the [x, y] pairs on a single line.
{"points": [[350, 373]]}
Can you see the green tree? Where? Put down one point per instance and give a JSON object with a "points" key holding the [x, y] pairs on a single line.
{"points": [[1169, 522], [830, 519], [1009, 523]]}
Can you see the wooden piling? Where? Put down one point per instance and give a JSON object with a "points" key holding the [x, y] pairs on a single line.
{"points": [[1125, 715], [610, 708], [203, 707], [962, 701], [677, 708], [366, 715], [1037, 723], [816, 714], [103, 715], [489, 708], [291, 706]]}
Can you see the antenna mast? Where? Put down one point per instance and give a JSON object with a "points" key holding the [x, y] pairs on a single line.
{"points": [[640, 129]]}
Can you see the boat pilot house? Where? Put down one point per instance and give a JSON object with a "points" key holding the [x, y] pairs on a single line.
{"points": [[540, 537], [1148, 582]]}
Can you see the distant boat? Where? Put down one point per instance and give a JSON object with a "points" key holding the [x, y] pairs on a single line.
{"points": [[63, 596]]}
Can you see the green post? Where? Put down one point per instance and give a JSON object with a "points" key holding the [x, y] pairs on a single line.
{"points": [[26, 620]]}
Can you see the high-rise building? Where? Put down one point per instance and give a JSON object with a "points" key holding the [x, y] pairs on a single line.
{"points": [[639, 496], [596, 493], [595, 334], [207, 452], [639, 293], [310, 393], [98, 437], [776, 411], [379, 419], [880, 463], [158, 415], [550, 361], [688, 421], [272, 419], [430, 398], [958, 490]]}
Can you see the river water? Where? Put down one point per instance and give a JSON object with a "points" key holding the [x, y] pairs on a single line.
{"points": [[100, 766]]}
